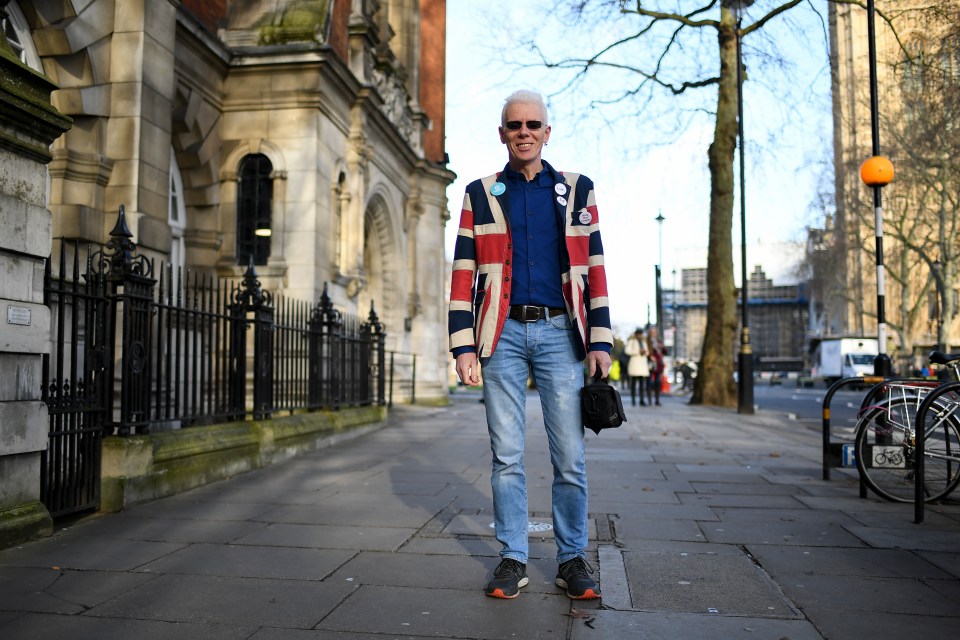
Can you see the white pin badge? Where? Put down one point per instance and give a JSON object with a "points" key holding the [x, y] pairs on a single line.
{"points": [[585, 216], [561, 201], [497, 188], [560, 188]]}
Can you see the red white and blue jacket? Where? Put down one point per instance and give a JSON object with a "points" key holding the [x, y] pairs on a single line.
{"points": [[482, 270]]}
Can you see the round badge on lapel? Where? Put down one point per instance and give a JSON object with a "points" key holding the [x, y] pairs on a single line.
{"points": [[561, 201], [585, 216], [497, 188], [560, 188]]}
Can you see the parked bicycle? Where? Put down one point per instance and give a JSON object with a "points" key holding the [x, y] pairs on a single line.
{"points": [[886, 437]]}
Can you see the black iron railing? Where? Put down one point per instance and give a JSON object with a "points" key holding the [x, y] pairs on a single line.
{"points": [[131, 353]]}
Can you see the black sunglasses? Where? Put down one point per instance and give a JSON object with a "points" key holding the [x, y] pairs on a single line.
{"points": [[516, 125]]}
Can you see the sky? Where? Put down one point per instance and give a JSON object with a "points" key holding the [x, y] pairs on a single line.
{"points": [[641, 162]]}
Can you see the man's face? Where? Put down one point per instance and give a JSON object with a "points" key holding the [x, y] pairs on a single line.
{"points": [[524, 145]]}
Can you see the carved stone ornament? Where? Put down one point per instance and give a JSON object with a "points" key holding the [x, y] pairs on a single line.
{"points": [[396, 105]]}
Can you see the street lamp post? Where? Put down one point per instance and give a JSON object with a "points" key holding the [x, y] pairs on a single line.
{"points": [[659, 271], [939, 307], [745, 360], [881, 365]]}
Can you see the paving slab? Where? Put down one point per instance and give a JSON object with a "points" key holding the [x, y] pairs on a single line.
{"points": [[883, 626], [790, 563], [216, 600], [700, 583], [623, 625], [300, 634], [822, 595], [451, 613], [895, 538], [781, 526], [351, 515], [674, 511], [215, 509], [164, 529], [632, 529], [439, 572], [93, 554], [540, 527], [948, 561], [318, 536], [246, 561], [757, 488], [59, 627], [489, 547], [737, 499]]}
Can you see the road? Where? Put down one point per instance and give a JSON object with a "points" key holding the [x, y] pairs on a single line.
{"points": [[806, 405]]}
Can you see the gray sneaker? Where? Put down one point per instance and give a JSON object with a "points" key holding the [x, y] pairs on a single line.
{"points": [[507, 579], [574, 576]]}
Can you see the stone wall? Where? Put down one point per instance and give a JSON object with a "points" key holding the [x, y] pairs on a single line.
{"points": [[28, 125]]}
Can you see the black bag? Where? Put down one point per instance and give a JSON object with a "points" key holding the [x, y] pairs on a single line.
{"points": [[600, 405]]}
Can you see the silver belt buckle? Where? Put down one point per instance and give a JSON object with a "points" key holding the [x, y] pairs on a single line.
{"points": [[527, 309]]}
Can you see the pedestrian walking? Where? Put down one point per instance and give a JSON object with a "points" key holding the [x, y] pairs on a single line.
{"points": [[529, 290], [624, 360], [638, 367], [655, 356]]}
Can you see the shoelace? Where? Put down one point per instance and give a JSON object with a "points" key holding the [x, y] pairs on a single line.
{"points": [[580, 568], [507, 568]]}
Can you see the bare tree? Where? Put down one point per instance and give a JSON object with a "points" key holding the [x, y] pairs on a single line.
{"points": [[683, 61], [674, 50]]}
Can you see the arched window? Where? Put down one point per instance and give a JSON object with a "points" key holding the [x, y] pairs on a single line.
{"points": [[176, 216], [254, 204], [17, 32], [341, 200]]}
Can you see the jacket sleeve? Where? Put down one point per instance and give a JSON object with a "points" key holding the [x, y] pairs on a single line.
{"points": [[460, 319], [598, 310]]}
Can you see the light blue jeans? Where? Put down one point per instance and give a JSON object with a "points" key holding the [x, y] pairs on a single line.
{"points": [[546, 347]]}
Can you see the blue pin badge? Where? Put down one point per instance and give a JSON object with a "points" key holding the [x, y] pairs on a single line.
{"points": [[497, 188]]}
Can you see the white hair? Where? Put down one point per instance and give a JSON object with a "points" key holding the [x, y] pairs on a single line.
{"points": [[524, 96]]}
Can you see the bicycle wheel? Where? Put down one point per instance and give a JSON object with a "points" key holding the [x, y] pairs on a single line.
{"points": [[885, 450]]}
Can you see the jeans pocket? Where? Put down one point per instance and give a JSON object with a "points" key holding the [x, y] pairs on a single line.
{"points": [[561, 321]]}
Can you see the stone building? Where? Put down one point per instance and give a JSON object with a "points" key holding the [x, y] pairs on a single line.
{"points": [[920, 206], [306, 136], [778, 315], [28, 124]]}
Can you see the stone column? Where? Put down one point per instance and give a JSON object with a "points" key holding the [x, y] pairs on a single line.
{"points": [[28, 125]]}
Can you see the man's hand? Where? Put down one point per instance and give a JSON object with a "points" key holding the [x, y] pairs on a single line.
{"points": [[468, 368], [597, 359]]}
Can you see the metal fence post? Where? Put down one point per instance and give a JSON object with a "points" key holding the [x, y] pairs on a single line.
{"points": [[331, 325], [131, 297], [375, 337], [250, 299]]}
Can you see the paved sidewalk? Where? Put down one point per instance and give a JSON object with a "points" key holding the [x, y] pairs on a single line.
{"points": [[706, 524]]}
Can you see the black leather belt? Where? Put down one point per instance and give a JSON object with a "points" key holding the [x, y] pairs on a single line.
{"points": [[530, 313]]}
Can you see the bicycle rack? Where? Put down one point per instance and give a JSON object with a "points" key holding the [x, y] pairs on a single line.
{"points": [[833, 451], [921, 437]]}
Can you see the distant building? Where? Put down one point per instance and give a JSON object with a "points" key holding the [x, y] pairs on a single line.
{"points": [[778, 316]]}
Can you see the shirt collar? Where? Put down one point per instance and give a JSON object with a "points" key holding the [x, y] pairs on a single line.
{"points": [[542, 179]]}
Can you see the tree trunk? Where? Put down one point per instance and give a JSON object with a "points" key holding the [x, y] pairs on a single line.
{"points": [[714, 383]]}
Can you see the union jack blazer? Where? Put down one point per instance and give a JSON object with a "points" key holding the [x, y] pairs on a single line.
{"points": [[482, 273]]}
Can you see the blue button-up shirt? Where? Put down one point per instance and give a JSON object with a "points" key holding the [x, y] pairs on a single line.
{"points": [[536, 240]]}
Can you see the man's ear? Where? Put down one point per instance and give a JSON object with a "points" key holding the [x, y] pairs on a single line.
{"points": [[503, 137]]}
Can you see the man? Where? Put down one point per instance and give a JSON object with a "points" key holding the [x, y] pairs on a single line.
{"points": [[529, 292]]}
